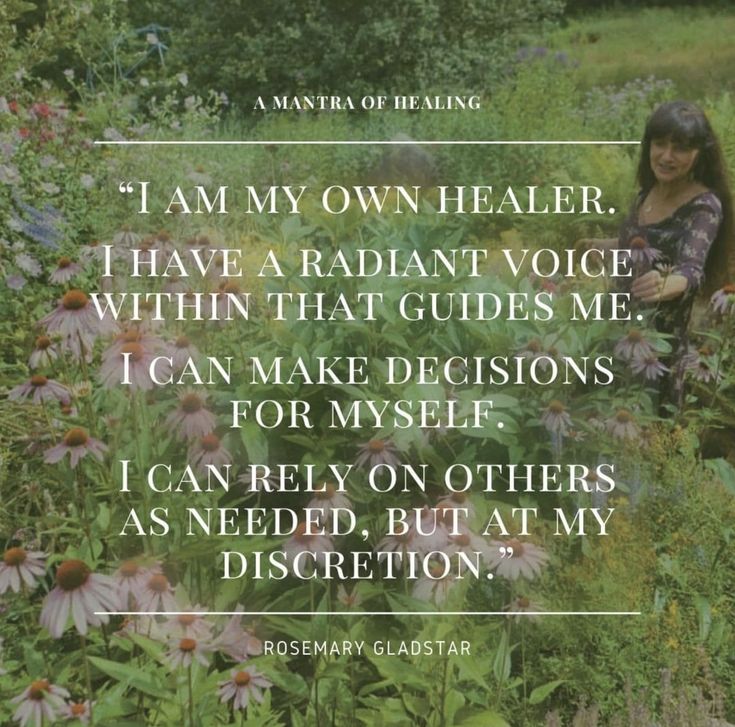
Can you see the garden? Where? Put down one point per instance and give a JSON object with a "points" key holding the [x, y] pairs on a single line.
{"points": [[83, 553]]}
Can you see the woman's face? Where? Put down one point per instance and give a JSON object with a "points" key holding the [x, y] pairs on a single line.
{"points": [[671, 161]]}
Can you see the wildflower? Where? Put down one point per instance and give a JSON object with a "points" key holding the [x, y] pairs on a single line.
{"points": [[76, 321], [302, 542], [28, 264], [424, 533], [457, 500], [191, 419], [131, 366], [190, 625], [650, 367], [465, 541], [131, 578], [78, 444], [40, 389], [704, 373], [66, 269], [183, 652], [41, 701], [349, 599], [622, 425], [556, 419], [377, 452], [87, 181], [78, 710], [81, 593], [126, 238], [513, 559], [328, 500], [182, 351], [633, 346], [532, 350], [523, 605], [435, 585], [723, 300], [157, 594], [243, 685], [641, 253], [236, 642], [19, 565], [15, 282], [208, 451]]}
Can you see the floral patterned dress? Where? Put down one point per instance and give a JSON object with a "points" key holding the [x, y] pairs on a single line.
{"points": [[678, 244]]}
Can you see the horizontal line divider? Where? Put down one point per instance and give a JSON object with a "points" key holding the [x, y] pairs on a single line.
{"points": [[367, 613]]}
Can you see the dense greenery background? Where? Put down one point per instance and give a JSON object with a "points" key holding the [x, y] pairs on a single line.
{"points": [[75, 71]]}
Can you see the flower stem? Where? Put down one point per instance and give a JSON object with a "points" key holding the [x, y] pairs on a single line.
{"points": [[191, 698], [88, 678]]}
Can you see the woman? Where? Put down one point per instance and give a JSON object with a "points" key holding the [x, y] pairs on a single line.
{"points": [[679, 230]]}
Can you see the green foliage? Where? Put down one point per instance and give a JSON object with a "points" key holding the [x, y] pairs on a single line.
{"points": [[267, 48]]}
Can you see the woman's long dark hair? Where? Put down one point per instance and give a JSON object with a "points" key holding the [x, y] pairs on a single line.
{"points": [[686, 124]]}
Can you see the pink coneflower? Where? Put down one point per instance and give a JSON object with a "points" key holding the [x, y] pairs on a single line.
{"points": [[622, 425], [40, 701], [436, 587], [66, 269], [650, 367], [157, 594], [93, 252], [633, 346], [189, 625], [328, 500], [235, 641], [414, 538], [556, 419], [76, 321], [139, 359], [532, 350], [513, 559], [44, 353], [641, 253], [522, 605], [458, 501], [126, 238], [181, 351], [175, 284], [243, 685], [703, 372], [190, 419], [305, 542], [208, 451], [349, 599], [81, 593], [21, 566], [723, 300], [131, 579], [78, 444], [183, 652], [467, 542], [377, 452], [78, 710], [40, 389]]}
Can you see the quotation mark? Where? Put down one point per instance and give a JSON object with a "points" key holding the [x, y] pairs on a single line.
{"points": [[506, 551], [126, 187]]}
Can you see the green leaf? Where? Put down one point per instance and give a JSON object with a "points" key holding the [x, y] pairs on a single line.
{"points": [[540, 693], [130, 675], [484, 719], [725, 471], [704, 613]]}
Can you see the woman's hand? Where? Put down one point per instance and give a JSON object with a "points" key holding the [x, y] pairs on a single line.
{"points": [[653, 287]]}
